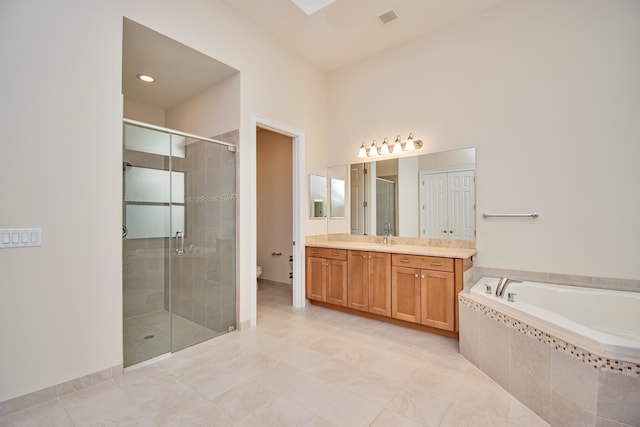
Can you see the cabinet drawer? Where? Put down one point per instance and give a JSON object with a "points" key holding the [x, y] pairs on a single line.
{"points": [[328, 253], [423, 262]]}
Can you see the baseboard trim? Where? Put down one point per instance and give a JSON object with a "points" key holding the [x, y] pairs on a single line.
{"points": [[57, 391]]}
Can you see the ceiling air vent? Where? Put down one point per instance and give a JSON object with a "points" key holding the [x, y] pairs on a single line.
{"points": [[388, 16]]}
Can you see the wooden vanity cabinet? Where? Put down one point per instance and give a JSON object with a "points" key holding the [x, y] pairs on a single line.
{"points": [[423, 290], [369, 282], [415, 291], [437, 300], [326, 275], [405, 294]]}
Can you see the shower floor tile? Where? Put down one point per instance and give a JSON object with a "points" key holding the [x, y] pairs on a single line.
{"points": [[147, 336]]}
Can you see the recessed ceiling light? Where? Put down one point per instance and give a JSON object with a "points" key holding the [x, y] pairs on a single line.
{"points": [[146, 78], [312, 6]]}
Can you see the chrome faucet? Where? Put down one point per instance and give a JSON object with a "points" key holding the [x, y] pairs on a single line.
{"points": [[502, 285]]}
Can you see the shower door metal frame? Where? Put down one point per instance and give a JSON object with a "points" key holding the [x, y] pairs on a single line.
{"points": [[176, 132]]}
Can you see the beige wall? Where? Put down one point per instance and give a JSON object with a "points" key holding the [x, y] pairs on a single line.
{"points": [[547, 91], [275, 204], [135, 110], [212, 112], [61, 110]]}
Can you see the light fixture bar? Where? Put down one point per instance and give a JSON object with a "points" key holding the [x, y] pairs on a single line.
{"points": [[398, 147]]}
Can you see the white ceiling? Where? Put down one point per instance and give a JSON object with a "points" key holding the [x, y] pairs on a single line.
{"points": [[180, 72], [348, 30], [342, 32]]}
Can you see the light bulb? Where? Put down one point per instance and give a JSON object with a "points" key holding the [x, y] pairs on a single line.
{"points": [[409, 146], [373, 151], [363, 151], [397, 146], [385, 147]]}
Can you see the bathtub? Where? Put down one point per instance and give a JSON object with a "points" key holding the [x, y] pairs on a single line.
{"points": [[606, 323], [566, 352]]}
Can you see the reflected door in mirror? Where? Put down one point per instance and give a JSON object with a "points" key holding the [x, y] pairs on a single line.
{"points": [[448, 205], [358, 204]]}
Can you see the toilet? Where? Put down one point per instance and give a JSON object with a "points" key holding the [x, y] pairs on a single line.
{"points": [[258, 271]]}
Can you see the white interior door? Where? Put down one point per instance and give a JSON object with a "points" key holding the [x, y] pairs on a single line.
{"points": [[433, 205], [461, 204]]}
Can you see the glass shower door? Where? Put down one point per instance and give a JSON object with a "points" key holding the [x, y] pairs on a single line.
{"points": [[146, 243], [203, 291], [179, 239]]}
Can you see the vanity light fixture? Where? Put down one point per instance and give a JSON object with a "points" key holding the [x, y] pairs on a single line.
{"points": [[363, 151], [373, 151], [398, 147], [146, 78], [385, 147], [409, 146]]}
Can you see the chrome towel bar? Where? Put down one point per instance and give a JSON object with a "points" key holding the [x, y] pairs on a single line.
{"points": [[530, 215]]}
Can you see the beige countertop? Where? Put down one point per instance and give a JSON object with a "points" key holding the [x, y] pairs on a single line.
{"points": [[396, 248]]}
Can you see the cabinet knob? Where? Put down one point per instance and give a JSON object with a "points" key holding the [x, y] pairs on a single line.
{"points": [[369, 256], [451, 231], [417, 275], [364, 257], [423, 276]]}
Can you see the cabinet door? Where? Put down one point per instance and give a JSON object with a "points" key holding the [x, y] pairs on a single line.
{"points": [[379, 278], [357, 283], [316, 279], [405, 294], [438, 299], [337, 282]]}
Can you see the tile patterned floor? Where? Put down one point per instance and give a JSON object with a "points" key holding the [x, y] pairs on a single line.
{"points": [[308, 367]]}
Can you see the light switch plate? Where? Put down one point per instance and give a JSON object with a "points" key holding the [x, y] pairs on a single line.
{"points": [[20, 237]]}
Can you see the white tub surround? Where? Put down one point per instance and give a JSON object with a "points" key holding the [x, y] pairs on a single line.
{"points": [[570, 354]]}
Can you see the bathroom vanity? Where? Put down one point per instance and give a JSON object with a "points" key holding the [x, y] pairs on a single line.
{"points": [[410, 285]]}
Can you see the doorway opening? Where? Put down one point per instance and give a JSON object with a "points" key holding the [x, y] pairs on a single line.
{"points": [[258, 122], [274, 209]]}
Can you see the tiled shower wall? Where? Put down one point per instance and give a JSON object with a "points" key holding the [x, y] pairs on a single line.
{"points": [[204, 287], [203, 278]]}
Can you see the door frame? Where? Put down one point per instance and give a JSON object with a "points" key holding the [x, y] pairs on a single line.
{"points": [[257, 120]]}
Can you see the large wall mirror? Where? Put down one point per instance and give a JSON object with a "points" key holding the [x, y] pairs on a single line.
{"points": [[426, 196]]}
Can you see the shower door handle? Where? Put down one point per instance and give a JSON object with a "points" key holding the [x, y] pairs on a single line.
{"points": [[180, 236]]}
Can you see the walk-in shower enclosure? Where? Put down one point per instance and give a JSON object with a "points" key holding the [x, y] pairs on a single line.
{"points": [[179, 240]]}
